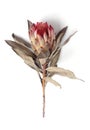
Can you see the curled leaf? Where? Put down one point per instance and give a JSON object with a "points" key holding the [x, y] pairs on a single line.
{"points": [[48, 79]]}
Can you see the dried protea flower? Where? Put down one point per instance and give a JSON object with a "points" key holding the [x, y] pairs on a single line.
{"points": [[42, 38], [42, 52]]}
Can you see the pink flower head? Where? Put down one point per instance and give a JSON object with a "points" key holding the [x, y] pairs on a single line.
{"points": [[42, 37]]}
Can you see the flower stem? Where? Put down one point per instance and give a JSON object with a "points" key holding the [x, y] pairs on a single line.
{"points": [[43, 87]]}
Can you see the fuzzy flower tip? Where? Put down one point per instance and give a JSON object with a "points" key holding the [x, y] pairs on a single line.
{"points": [[42, 37]]}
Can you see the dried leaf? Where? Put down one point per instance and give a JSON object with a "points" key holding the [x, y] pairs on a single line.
{"points": [[59, 46], [67, 40], [43, 54], [21, 40], [60, 35], [24, 53], [29, 61], [24, 49], [29, 24], [48, 79], [62, 72], [54, 59], [57, 42]]}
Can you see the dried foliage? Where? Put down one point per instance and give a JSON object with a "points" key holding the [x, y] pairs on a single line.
{"points": [[42, 52]]}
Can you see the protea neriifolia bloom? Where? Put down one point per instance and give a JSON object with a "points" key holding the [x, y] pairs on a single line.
{"points": [[42, 38], [42, 52]]}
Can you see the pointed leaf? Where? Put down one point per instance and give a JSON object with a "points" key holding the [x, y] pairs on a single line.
{"points": [[62, 72], [24, 53], [59, 47], [29, 24], [58, 39], [67, 40], [57, 42], [55, 57], [24, 49], [29, 61], [60, 35], [21, 40], [48, 79]]}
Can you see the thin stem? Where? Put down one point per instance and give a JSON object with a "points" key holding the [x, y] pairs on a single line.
{"points": [[43, 87]]}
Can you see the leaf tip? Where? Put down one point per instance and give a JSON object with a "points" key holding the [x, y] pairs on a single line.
{"points": [[29, 24], [65, 28], [7, 41], [13, 35], [80, 79]]}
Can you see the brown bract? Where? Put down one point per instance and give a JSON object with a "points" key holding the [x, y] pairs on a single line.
{"points": [[42, 52]]}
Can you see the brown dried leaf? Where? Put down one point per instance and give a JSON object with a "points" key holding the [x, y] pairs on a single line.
{"points": [[67, 40], [29, 24], [60, 35], [29, 61], [21, 40], [24, 49], [62, 72], [24, 53], [48, 79], [54, 59], [57, 42]]}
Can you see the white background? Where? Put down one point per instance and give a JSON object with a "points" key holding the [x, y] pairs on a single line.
{"points": [[20, 89]]}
